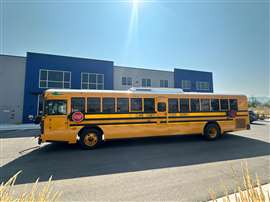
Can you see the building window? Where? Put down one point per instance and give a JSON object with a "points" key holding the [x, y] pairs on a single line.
{"points": [[164, 83], [92, 81], [146, 82], [126, 81], [54, 79], [201, 85], [186, 84]]}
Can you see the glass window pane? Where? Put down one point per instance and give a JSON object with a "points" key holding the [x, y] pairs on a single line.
{"points": [[166, 83], [85, 77], [149, 105], [77, 105], [148, 82], [66, 85], [66, 76], [92, 78], [129, 81], [205, 105], [43, 75], [233, 104], [100, 78], [124, 81], [43, 84], [161, 107], [108, 105], [56, 107], [92, 86], [100, 86], [55, 76], [214, 105], [195, 105], [84, 86], [184, 105], [136, 104], [173, 105], [122, 105], [143, 83], [55, 84], [224, 105], [93, 105]]}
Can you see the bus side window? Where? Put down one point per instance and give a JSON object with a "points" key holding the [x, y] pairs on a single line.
{"points": [[78, 104], [122, 105], [233, 104], [195, 105], [214, 105], [173, 105], [224, 106], [149, 105], [108, 105], [205, 105], [136, 104], [184, 105], [161, 107], [93, 105]]}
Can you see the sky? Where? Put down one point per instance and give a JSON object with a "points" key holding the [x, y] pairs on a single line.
{"points": [[228, 38]]}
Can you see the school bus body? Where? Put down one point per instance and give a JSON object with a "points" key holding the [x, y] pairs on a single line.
{"points": [[140, 124]]}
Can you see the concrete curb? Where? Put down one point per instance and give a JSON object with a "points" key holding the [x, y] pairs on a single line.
{"points": [[8, 127]]}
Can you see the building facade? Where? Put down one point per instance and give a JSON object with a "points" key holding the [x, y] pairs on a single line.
{"points": [[29, 76], [12, 77]]}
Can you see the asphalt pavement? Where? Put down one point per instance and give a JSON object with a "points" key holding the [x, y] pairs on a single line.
{"points": [[182, 168]]}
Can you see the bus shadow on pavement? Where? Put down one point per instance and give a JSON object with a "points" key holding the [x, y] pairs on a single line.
{"points": [[64, 161]]}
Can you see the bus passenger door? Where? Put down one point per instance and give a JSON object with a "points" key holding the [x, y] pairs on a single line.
{"points": [[55, 121], [162, 110]]}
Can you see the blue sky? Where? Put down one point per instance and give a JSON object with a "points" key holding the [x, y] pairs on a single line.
{"points": [[228, 38]]}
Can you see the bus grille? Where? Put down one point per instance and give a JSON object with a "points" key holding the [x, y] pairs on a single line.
{"points": [[240, 123]]}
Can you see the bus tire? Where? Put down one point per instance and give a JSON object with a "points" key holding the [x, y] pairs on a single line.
{"points": [[211, 131], [90, 138]]}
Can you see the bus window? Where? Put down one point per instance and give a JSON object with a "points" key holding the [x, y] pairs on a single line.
{"points": [[195, 105], [122, 105], [93, 105], [224, 106], [233, 104], [77, 104], [108, 105], [56, 107], [184, 105], [173, 105], [205, 105], [136, 104], [214, 105], [149, 105], [161, 107]]}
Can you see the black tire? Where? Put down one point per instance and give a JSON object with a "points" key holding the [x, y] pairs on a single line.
{"points": [[212, 131], [90, 138]]}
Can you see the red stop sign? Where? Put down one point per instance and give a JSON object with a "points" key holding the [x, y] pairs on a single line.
{"points": [[77, 116]]}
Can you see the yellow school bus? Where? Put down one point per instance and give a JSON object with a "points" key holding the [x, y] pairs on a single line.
{"points": [[90, 117]]}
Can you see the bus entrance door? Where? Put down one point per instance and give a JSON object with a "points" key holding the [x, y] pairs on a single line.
{"points": [[162, 110]]}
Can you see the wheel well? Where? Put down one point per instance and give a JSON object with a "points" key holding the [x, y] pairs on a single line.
{"points": [[90, 127], [211, 122]]}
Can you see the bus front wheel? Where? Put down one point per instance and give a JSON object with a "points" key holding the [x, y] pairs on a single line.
{"points": [[211, 131], [90, 138]]}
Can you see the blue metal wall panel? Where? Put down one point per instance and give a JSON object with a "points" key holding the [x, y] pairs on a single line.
{"points": [[193, 76], [36, 61]]}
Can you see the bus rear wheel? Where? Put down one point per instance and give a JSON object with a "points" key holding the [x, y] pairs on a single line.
{"points": [[90, 139], [211, 131]]}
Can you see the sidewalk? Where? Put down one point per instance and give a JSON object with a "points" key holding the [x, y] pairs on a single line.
{"points": [[265, 188], [6, 127]]}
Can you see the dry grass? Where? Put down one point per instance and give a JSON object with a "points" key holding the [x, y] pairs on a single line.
{"points": [[36, 194], [249, 190]]}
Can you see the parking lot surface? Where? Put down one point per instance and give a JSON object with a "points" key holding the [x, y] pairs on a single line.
{"points": [[182, 168]]}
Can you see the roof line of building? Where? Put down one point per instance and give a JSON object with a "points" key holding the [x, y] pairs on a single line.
{"points": [[7, 55], [84, 58], [140, 68]]}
